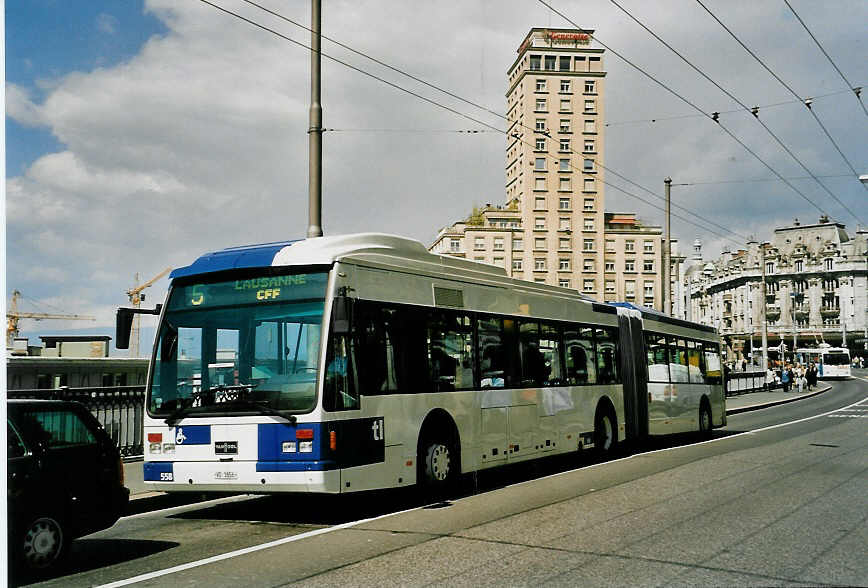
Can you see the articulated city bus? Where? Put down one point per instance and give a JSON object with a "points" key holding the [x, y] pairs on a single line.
{"points": [[358, 362], [831, 362]]}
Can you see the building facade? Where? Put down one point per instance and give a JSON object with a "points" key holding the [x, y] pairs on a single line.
{"points": [[816, 291], [551, 228]]}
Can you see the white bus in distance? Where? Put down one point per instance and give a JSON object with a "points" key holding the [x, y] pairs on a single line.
{"points": [[358, 362], [831, 362]]}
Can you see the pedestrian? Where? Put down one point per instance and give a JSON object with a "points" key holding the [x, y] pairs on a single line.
{"points": [[800, 378], [791, 375], [812, 377], [785, 379]]}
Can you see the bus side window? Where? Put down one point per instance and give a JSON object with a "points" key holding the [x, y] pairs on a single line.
{"points": [[450, 351], [607, 356], [658, 358], [713, 373], [341, 388], [581, 360], [534, 371], [695, 369], [492, 357]]}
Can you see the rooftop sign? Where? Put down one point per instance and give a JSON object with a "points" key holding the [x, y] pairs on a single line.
{"points": [[557, 38]]}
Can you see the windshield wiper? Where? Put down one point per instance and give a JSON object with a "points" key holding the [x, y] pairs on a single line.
{"points": [[179, 413], [262, 409]]}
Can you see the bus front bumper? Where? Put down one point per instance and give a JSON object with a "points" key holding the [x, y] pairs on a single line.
{"points": [[236, 476]]}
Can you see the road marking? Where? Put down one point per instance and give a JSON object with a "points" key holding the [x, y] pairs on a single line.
{"points": [[300, 536]]}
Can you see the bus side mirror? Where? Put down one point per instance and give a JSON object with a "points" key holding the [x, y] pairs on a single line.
{"points": [[124, 323], [342, 315]]}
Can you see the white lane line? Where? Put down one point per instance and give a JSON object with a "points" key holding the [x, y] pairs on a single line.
{"points": [[300, 536], [246, 550]]}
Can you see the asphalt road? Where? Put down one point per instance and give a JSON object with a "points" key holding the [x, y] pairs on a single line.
{"points": [[776, 498]]}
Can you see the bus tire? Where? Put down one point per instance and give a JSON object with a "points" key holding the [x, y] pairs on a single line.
{"points": [[605, 430], [437, 463], [705, 422]]}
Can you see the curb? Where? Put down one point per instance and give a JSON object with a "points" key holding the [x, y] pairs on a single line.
{"points": [[762, 405]]}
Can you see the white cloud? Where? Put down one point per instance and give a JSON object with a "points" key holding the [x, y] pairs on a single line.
{"points": [[20, 108], [106, 23]]}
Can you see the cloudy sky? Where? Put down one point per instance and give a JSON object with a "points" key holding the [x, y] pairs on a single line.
{"points": [[142, 134]]}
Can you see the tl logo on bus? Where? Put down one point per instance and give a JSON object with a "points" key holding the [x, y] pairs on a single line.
{"points": [[379, 430]]}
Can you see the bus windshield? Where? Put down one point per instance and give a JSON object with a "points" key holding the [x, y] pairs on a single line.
{"points": [[239, 347]]}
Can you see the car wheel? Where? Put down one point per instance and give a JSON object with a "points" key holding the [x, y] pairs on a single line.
{"points": [[42, 543], [604, 432]]}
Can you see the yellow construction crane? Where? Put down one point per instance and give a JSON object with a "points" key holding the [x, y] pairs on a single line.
{"points": [[13, 315], [136, 297]]}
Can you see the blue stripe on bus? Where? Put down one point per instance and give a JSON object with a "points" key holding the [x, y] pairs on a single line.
{"points": [[233, 258], [193, 435], [272, 436], [295, 466], [151, 471]]}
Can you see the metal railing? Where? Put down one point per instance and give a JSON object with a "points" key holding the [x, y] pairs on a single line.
{"points": [[744, 382], [120, 410]]}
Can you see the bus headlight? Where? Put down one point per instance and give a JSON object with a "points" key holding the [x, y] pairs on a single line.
{"points": [[288, 447], [305, 446]]}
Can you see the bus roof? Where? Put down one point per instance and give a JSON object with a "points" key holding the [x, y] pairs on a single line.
{"points": [[656, 315]]}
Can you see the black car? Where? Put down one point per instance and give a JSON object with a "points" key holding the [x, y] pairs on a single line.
{"points": [[65, 480]]}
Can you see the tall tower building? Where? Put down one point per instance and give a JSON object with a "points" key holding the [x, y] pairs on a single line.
{"points": [[554, 157]]}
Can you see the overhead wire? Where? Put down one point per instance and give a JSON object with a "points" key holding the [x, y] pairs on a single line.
{"points": [[689, 103], [805, 101], [740, 103], [856, 91], [447, 108]]}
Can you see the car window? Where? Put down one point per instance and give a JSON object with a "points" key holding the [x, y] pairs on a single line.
{"points": [[56, 428], [14, 446]]}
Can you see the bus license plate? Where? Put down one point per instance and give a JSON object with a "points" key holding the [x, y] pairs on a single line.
{"points": [[225, 475]]}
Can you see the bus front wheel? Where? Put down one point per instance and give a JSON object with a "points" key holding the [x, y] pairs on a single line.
{"points": [[705, 422]]}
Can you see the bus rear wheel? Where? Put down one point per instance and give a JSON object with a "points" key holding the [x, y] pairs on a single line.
{"points": [[604, 432], [705, 422]]}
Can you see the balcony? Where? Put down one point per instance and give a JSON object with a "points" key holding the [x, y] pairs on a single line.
{"points": [[773, 313], [802, 314], [830, 312]]}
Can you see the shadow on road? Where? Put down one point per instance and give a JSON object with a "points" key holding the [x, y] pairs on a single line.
{"points": [[90, 554]]}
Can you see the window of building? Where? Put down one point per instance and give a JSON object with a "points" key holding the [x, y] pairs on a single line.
{"points": [[540, 125], [564, 203], [588, 265], [539, 264], [535, 62], [479, 258], [827, 264], [479, 243], [648, 246], [565, 63], [540, 104], [610, 266], [539, 183], [565, 125], [540, 85], [564, 264], [539, 243], [799, 265], [610, 286], [518, 244], [498, 261], [563, 283], [590, 126], [588, 165], [498, 243], [589, 285], [564, 164], [563, 224], [564, 243], [539, 223], [649, 290], [564, 184], [589, 145], [550, 62], [539, 203], [770, 267], [588, 204], [540, 144], [590, 186], [565, 106], [610, 245], [589, 106], [517, 265], [630, 245], [629, 265], [589, 224], [539, 164], [630, 289], [454, 245], [589, 86], [565, 86], [565, 145], [648, 265], [588, 245]]}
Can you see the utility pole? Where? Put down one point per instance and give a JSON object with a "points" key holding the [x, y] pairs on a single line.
{"points": [[763, 308], [314, 131], [667, 300]]}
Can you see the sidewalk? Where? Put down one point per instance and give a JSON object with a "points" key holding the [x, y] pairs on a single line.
{"points": [[142, 498]]}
